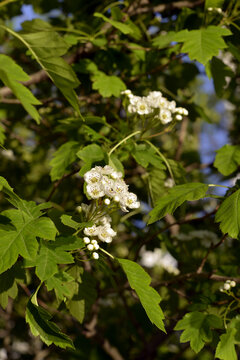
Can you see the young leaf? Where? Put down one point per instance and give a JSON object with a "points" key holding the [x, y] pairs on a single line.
{"points": [[11, 74], [68, 221], [197, 328], [140, 281], [145, 155], [204, 43], [62, 158], [228, 215], [226, 346], [176, 197], [124, 28], [227, 159], [163, 40], [47, 47], [40, 324], [107, 85]]}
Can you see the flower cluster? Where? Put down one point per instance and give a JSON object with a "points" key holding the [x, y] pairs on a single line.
{"points": [[108, 183], [227, 285], [156, 104], [104, 182]]}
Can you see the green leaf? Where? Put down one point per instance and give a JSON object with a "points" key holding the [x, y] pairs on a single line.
{"points": [[46, 47], [115, 163], [58, 282], [226, 348], [11, 74], [62, 158], [68, 221], [197, 328], [48, 258], [83, 292], [107, 85], [145, 155], [40, 324], [156, 179], [228, 215], [176, 197], [8, 283], [140, 281], [21, 238], [203, 44], [91, 153], [124, 28], [227, 159], [163, 40], [2, 135], [219, 72]]}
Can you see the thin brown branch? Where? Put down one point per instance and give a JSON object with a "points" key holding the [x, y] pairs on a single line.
{"points": [[213, 247], [58, 183]]}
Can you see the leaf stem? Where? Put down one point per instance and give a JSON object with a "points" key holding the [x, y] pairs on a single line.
{"points": [[227, 187], [107, 253], [122, 141]]}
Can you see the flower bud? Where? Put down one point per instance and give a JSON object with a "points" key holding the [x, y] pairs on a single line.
{"points": [[95, 255], [86, 240], [107, 201], [90, 247]]}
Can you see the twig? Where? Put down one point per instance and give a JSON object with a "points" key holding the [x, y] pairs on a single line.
{"points": [[213, 247]]}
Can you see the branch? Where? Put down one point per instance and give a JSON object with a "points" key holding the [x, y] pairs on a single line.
{"points": [[135, 9]]}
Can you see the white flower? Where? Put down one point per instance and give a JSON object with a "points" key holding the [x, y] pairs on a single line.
{"points": [[130, 200], [95, 191], [95, 255], [106, 233], [92, 176], [104, 220], [90, 247], [91, 230], [107, 201], [178, 117], [96, 246], [227, 286], [94, 242], [126, 92], [107, 170], [120, 187], [131, 109], [165, 116], [172, 106], [134, 100], [86, 240], [142, 108], [169, 183], [109, 190], [163, 103]]}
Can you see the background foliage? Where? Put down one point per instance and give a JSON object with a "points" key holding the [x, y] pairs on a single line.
{"points": [[61, 112]]}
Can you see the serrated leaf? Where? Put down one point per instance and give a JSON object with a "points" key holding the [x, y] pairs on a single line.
{"points": [[197, 328], [62, 158], [204, 43], [124, 28], [156, 179], [176, 197], [227, 159], [40, 324], [226, 347], [58, 282], [228, 215], [11, 74], [48, 258], [83, 292], [107, 85], [140, 281], [46, 47], [21, 238]]}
